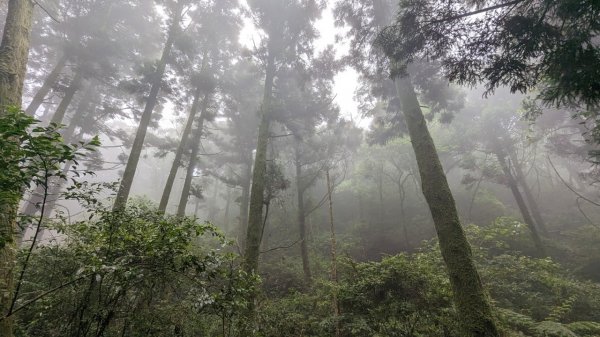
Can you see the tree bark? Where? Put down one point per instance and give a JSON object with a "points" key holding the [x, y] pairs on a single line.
{"points": [[514, 188], [300, 188], [138, 143], [187, 185], [533, 206], [257, 199], [49, 82], [14, 51], [164, 200], [469, 297]]}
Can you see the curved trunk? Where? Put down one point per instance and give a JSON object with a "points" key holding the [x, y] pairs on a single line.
{"points": [[14, 50], [469, 297], [512, 184], [49, 82], [164, 200], [187, 185], [138, 143]]}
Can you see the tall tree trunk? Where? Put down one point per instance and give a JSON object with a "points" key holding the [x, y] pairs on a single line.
{"points": [[244, 203], [138, 143], [469, 297], [14, 51], [212, 209], [334, 276], [402, 195], [164, 200], [514, 188], [49, 82], [533, 206], [257, 198], [226, 213], [380, 191], [32, 205], [300, 188], [187, 185], [255, 227], [61, 110]]}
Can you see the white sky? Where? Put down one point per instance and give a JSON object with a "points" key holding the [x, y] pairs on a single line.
{"points": [[345, 82]]}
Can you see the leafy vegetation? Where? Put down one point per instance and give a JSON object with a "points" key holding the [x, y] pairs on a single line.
{"points": [[413, 207]]}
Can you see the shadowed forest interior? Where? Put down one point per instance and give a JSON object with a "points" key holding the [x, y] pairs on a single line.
{"points": [[300, 168]]}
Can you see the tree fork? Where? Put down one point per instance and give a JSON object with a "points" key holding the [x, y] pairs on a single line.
{"points": [[514, 188]]}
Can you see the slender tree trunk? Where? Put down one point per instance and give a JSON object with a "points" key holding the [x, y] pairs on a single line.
{"points": [[226, 213], [244, 203], [256, 224], [14, 51], [301, 217], [187, 185], [533, 206], [49, 82], [32, 205], [212, 209], [164, 200], [255, 216], [334, 275], [469, 297], [61, 110], [380, 190], [402, 195], [514, 188], [138, 143]]}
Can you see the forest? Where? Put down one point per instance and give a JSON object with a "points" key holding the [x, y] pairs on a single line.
{"points": [[300, 168]]}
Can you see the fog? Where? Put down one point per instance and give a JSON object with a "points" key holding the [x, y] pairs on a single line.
{"points": [[304, 168]]}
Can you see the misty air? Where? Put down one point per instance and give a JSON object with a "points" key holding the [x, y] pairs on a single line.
{"points": [[300, 168]]}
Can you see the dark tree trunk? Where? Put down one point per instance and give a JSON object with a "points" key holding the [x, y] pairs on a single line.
{"points": [[300, 188], [14, 51], [469, 297], [512, 184], [138, 143], [195, 141], [257, 198], [164, 200], [49, 82], [533, 206]]}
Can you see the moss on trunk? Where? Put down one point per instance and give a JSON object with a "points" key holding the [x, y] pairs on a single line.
{"points": [[470, 299]]}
